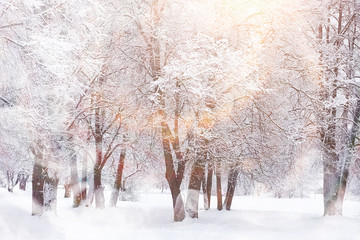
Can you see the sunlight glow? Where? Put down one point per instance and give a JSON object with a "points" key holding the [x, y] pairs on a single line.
{"points": [[256, 25]]}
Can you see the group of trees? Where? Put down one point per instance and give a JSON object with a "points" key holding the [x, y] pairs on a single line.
{"points": [[102, 92]]}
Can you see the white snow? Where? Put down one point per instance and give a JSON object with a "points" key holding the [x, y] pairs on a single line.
{"points": [[151, 218]]}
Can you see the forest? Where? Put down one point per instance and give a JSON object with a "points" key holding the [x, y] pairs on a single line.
{"points": [[204, 100]]}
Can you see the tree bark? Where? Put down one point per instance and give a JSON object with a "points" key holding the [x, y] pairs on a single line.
{"points": [[209, 185], [170, 175], [50, 192], [230, 188], [329, 188], [192, 200], [118, 179], [204, 189], [38, 187], [67, 187], [330, 159], [218, 188], [344, 168], [10, 181], [84, 178], [98, 189], [178, 203], [22, 182], [173, 178]]}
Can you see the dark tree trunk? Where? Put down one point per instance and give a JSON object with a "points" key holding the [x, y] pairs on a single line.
{"points": [[344, 168], [230, 188], [67, 187], [329, 186], [170, 175], [192, 200], [84, 178], [341, 191], [178, 203], [330, 156], [75, 185], [118, 179], [37, 188], [10, 181], [330, 165], [173, 178], [23, 181], [218, 189], [206, 184], [98, 188], [209, 185]]}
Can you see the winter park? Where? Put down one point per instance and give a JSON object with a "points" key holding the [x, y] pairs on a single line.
{"points": [[180, 119]]}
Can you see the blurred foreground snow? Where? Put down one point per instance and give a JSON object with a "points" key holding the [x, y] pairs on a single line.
{"points": [[151, 218]]}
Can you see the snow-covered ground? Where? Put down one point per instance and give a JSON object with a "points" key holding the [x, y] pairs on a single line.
{"points": [[151, 218]]}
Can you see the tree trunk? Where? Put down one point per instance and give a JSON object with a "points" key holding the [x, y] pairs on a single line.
{"points": [[330, 189], [204, 189], [330, 164], [37, 188], [341, 192], [230, 188], [22, 182], [344, 168], [192, 200], [218, 188], [209, 185], [50, 193], [98, 188], [84, 178], [67, 187], [178, 203], [170, 175], [75, 185], [118, 179], [10, 181]]}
